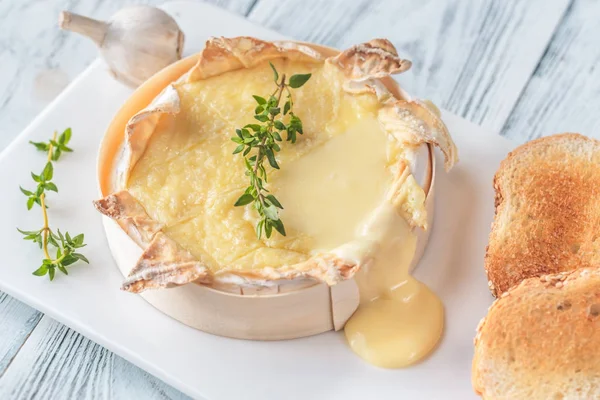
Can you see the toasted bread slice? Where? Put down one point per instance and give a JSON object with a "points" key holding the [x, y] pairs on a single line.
{"points": [[541, 340], [547, 210]]}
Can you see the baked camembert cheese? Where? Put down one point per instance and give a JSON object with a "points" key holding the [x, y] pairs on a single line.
{"points": [[351, 200]]}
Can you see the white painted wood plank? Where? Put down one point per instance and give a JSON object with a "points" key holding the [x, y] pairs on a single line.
{"points": [[37, 60], [563, 94], [241, 7], [471, 57], [58, 363], [17, 322]]}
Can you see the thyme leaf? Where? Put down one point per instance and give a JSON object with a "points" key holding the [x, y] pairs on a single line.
{"points": [[45, 237], [258, 142]]}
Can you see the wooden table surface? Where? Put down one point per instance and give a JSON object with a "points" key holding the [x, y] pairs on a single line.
{"points": [[523, 68]]}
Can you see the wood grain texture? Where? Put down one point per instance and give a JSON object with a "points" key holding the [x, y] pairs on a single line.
{"points": [[58, 363], [562, 95], [471, 57], [18, 320], [37, 60]]}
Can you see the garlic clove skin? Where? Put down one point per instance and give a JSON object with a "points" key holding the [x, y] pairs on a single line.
{"points": [[135, 43], [139, 42]]}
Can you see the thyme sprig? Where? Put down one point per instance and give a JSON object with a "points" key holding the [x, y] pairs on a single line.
{"points": [[65, 245], [261, 140]]}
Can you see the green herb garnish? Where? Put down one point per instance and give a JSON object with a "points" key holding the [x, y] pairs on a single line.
{"points": [[261, 140], [65, 244]]}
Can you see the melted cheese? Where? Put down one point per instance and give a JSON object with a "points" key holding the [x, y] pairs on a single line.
{"points": [[189, 179], [328, 192], [399, 320], [331, 180]]}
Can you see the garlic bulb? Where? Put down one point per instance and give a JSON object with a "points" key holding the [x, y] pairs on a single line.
{"points": [[136, 42]]}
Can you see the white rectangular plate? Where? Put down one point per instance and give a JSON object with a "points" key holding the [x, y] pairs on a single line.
{"points": [[202, 365]]}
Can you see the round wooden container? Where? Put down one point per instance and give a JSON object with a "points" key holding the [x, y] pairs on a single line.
{"points": [[286, 311]]}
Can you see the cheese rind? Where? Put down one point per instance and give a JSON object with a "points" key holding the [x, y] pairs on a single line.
{"points": [[177, 208]]}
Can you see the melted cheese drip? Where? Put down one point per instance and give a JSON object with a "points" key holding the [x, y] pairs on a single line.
{"points": [[399, 319]]}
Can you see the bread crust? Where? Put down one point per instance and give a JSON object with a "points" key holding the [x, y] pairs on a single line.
{"points": [[540, 340], [547, 217]]}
